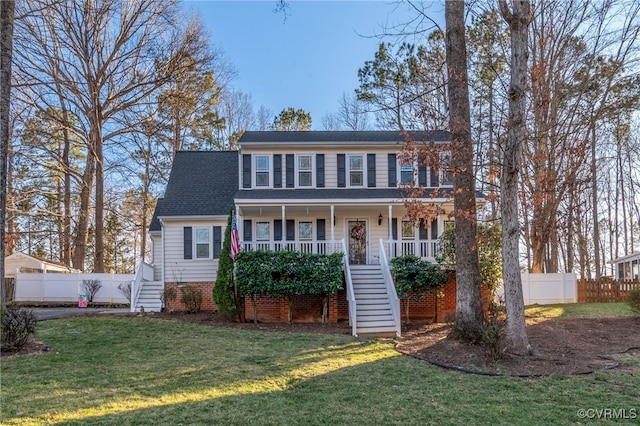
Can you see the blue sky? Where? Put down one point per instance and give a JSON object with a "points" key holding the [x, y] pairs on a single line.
{"points": [[306, 61]]}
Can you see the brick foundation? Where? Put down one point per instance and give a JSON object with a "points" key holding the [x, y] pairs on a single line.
{"points": [[308, 308], [207, 296]]}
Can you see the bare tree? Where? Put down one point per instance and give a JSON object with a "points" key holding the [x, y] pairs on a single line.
{"points": [[518, 19], [103, 59]]}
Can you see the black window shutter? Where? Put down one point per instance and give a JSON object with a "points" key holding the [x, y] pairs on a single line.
{"points": [[277, 230], [291, 229], [246, 170], [246, 230], [393, 179], [434, 230], [321, 227], [422, 175], [319, 170], [342, 173], [217, 241], [277, 171], [434, 178], [371, 170], [290, 158], [394, 228], [423, 232], [188, 242]]}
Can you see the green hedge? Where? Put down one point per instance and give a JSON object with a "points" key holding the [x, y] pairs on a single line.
{"points": [[286, 274]]}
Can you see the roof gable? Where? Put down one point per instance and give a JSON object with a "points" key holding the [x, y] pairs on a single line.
{"points": [[202, 183]]}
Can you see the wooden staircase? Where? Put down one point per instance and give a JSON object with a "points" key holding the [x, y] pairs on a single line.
{"points": [[374, 316], [149, 297]]}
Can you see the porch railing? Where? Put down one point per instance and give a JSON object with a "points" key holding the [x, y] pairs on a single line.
{"points": [[315, 246], [426, 249], [394, 301]]}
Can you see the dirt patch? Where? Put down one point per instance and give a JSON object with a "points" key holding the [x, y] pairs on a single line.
{"points": [[565, 346]]}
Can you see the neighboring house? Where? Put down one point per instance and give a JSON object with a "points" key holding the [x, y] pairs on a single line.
{"points": [[23, 262], [627, 268], [314, 191]]}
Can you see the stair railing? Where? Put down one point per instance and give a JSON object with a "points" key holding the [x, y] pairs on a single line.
{"points": [[144, 272], [351, 297], [391, 289]]}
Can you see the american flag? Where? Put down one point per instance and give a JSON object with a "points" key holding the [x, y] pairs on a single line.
{"points": [[235, 241]]}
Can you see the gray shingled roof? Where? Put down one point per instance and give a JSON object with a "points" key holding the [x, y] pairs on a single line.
{"points": [[312, 137], [202, 183]]}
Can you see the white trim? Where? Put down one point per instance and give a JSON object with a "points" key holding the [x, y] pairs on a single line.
{"points": [[315, 202]]}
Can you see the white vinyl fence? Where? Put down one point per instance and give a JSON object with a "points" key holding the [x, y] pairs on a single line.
{"points": [[67, 287], [547, 289]]}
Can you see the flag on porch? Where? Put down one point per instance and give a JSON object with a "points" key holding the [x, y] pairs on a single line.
{"points": [[235, 241]]}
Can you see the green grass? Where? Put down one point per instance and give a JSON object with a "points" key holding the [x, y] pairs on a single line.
{"points": [[579, 310], [141, 371]]}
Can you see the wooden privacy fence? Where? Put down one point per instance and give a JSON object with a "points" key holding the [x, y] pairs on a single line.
{"points": [[605, 290]]}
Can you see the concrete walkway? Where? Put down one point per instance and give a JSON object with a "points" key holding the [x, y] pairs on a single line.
{"points": [[43, 314]]}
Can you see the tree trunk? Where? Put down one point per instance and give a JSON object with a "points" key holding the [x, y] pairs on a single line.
{"points": [[7, 8], [518, 20], [82, 233], [468, 324]]}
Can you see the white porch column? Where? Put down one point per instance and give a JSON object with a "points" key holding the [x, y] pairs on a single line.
{"points": [[284, 223], [331, 220], [239, 224], [390, 222]]}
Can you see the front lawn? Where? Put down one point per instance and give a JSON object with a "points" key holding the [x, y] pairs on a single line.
{"points": [[113, 371], [579, 310]]}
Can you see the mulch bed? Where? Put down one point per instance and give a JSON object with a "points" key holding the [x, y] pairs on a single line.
{"points": [[564, 345]]}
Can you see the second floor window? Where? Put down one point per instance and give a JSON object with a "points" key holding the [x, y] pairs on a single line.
{"points": [[262, 170], [446, 177], [305, 173], [407, 174], [356, 170]]}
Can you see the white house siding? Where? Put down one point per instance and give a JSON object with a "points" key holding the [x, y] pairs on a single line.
{"points": [[156, 255], [176, 267]]}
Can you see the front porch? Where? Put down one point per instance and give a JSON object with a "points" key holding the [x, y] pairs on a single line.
{"points": [[365, 228]]}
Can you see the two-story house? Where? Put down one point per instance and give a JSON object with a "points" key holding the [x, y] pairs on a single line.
{"points": [[317, 191]]}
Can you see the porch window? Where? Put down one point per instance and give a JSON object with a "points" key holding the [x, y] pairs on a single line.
{"points": [[305, 172], [305, 231], [203, 243], [263, 231], [356, 170], [262, 170], [446, 176], [408, 230]]}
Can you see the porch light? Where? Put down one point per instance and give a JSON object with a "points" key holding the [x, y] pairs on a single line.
{"points": [[380, 219]]}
